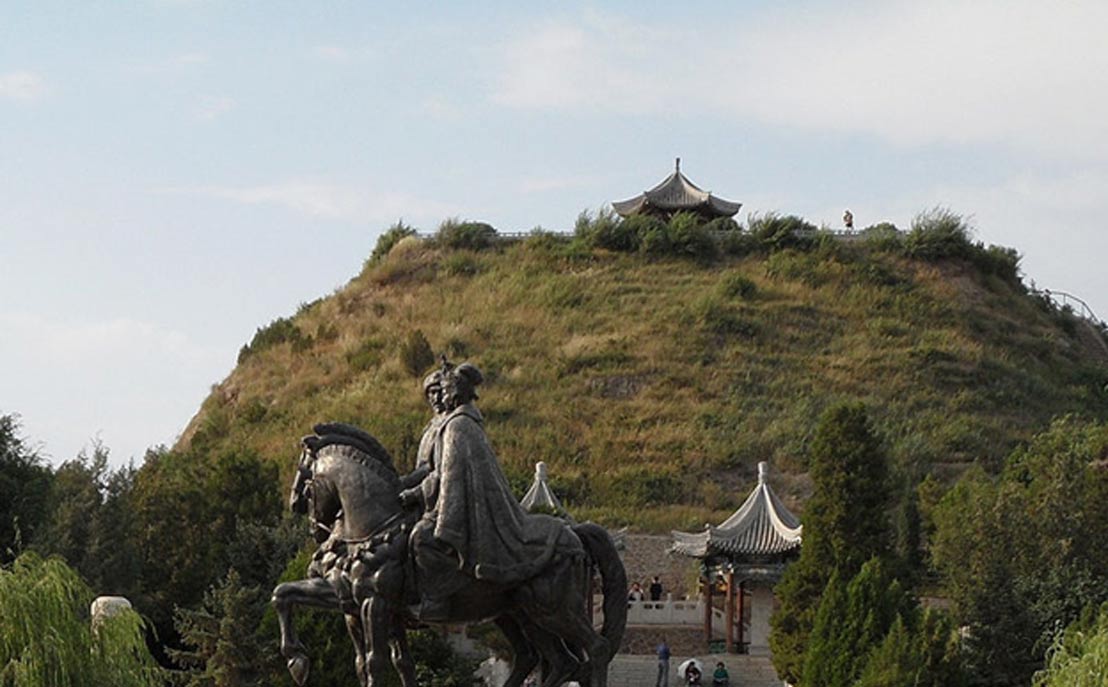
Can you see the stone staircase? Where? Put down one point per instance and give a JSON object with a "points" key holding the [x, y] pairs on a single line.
{"points": [[641, 671]]}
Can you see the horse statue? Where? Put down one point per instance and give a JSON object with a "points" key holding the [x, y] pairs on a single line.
{"points": [[346, 483]]}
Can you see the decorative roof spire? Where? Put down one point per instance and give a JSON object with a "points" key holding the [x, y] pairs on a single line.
{"points": [[677, 166], [761, 526], [541, 496]]}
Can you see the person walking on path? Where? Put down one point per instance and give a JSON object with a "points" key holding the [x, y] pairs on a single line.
{"points": [[663, 664], [656, 589]]}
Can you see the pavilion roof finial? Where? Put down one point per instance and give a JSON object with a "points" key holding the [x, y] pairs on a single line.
{"points": [[677, 165], [763, 472]]}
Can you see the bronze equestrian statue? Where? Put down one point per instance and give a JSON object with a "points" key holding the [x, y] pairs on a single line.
{"points": [[446, 544]]}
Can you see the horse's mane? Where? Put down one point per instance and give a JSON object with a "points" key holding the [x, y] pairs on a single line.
{"points": [[359, 446]]}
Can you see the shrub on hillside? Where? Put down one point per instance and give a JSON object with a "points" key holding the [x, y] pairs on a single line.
{"points": [[738, 286], [279, 331], [774, 232], [938, 233], [463, 264], [392, 236], [606, 230], [689, 236], [416, 354], [883, 236], [454, 233]]}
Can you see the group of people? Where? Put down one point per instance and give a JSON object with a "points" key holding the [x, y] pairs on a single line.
{"points": [[636, 592], [691, 674]]}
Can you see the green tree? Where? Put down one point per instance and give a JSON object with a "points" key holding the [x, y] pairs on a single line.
{"points": [[392, 236], [1022, 553], [924, 653], [851, 621], [224, 647], [845, 524], [46, 637], [188, 508], [25, 484]]}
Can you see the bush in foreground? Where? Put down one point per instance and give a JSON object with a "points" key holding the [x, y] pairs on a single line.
{"points": [[46, 637]]}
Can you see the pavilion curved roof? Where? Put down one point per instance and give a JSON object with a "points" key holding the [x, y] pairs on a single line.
{"points": [[761, 526], [676, 193], [540, 495]]}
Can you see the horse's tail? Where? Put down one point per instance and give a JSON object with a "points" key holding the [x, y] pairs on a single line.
{"points": [[613, 580]]}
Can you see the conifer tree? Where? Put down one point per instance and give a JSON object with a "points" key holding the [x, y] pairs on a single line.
{"points": [[226, 651], [851, 621], [845, 524], [25, 484]]}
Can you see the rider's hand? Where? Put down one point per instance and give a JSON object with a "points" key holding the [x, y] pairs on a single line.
{"points": [[411, 497]]}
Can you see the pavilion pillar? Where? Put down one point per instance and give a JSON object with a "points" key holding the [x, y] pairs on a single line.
{"points": [[741, 609], [729, 612], [708, 607]]}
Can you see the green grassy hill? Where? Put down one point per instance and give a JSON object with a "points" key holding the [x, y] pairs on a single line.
{"points": [[652, 384]]}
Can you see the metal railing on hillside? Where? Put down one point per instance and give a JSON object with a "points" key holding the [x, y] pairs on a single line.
{"points": [[1069, 302]]}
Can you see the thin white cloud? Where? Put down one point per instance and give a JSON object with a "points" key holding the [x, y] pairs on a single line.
{"points": [[22, 86], [74, 345], [1024, 74], [546, 184], [212, 107], [129, 382], [331, 53], [175, 64], [324, 200]]}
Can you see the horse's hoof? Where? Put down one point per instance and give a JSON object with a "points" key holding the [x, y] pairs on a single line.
{"points": [[299, 668]]}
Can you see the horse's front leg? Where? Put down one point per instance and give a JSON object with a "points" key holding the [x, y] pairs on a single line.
{"points": [[357, 636], [315, 592], [401, 655], [375, 623]]}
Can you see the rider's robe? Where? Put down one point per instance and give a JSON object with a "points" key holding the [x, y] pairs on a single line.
{"points": [[475, 511]]}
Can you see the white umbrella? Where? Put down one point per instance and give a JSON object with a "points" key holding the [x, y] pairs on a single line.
{"points": [[684, 667]]}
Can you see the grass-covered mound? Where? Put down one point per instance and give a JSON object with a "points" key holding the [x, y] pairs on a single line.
{"points": [[652, 366]]}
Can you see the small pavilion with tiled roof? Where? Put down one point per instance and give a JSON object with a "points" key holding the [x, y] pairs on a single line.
{"points": [[676, 194], [747, 553], [540, 497]]}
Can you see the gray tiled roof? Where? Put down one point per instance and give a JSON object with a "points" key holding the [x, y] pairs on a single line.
{"points": [[540, 495], [761, 526], [676, 193]]}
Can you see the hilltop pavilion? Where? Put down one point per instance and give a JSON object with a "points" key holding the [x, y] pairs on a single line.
{"points": [[747, 553], [676, 194]]}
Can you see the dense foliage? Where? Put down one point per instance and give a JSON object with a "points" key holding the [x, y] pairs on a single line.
{"points": [[46, 637], [1023, 553], [845, 525], [1079, 657], [25, 483]]}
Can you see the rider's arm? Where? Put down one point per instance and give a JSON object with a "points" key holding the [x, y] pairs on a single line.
{"points": [[413, 478]]}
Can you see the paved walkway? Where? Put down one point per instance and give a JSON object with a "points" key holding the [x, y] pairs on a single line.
{"points": [[641, 671]]}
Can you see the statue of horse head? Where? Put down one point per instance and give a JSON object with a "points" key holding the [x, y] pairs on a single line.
{"points": [[345, 482]]}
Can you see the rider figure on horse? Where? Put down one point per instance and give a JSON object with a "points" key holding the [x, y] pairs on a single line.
{"points": [[472, 526]]}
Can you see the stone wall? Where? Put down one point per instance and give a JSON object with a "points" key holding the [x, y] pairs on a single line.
{"points": [[646, 555]]}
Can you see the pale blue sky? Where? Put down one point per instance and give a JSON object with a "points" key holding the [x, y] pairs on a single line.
{"points": [[174, 174]]}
